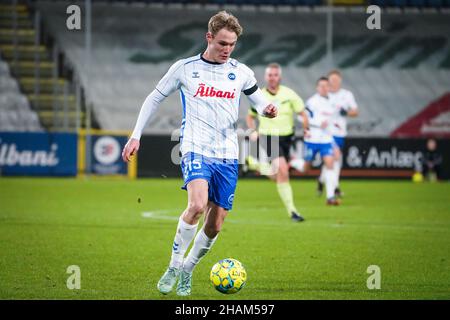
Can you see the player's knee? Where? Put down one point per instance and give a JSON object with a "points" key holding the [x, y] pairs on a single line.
{"points": [[337, 154], [329, 163], [284, 170], [196, 207], [283, 176]]}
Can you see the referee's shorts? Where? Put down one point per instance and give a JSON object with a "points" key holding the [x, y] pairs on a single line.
{"points": [[275, 146]]}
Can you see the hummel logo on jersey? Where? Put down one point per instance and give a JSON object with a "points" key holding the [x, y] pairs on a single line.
{"points": [[204, 91], [195, 74]]}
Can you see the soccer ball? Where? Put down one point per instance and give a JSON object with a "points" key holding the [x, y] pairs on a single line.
{"points": [[228, 276]]}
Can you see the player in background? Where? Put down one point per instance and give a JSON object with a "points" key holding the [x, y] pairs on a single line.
{"points": [[210, 85], [281, 130], [345, 106], [319, 139]]}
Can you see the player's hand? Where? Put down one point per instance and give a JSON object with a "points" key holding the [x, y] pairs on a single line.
{"points": [[253, 136], [130, 149], [343, 112], [306, 133], [270, 111]]}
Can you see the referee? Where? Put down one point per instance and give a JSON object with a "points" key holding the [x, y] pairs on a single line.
{"points": [[281, 129]]}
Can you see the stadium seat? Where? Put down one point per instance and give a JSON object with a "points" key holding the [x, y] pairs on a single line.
{"points": [[434, 3], [427, 47], [397, 3], [380, 3], [130, 61], [416, 3], [15, 111], [4, 68], [8, 85]]}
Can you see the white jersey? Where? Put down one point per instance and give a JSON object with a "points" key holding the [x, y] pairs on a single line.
{"points": [[319, 109], [342, 99], [210, 95]]}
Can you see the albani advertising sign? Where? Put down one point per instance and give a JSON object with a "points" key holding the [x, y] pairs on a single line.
{"points": [[40, 154]]}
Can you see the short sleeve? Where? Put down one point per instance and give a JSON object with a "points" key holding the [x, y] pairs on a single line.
{"points": [[297, 103], [351, 103], [171, 80], [249, 82]]}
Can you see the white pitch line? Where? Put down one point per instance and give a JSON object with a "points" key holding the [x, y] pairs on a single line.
{"points": [[161, 215], [157, 215]]}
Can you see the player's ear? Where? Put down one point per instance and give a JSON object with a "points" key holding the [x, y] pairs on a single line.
{"points": [[209, 37]]}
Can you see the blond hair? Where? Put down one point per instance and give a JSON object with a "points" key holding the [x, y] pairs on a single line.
{"points": [[274, 65], [223, 20], [335, 72]]}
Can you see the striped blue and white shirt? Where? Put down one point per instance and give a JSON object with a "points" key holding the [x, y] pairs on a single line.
{"points": [[210, 94]]}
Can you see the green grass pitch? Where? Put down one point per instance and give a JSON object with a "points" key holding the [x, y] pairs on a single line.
{"points": [[123, 245]]}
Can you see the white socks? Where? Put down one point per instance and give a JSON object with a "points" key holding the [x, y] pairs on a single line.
{"points": [[336, 170], [330, 181], [183, 237], [201, 246], [298, 164]]}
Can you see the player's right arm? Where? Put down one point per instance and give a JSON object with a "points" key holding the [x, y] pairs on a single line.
{"points": [[148, 108], [168, 84]]}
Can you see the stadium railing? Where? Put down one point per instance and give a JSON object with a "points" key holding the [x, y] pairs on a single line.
{"points": [[382, 3]]}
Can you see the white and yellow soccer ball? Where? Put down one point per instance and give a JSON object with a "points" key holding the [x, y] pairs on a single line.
{"points": [[228, 276]]}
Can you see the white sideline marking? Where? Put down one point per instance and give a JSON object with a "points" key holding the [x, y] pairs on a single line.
{"points": [[158, 215], [161, 215]]}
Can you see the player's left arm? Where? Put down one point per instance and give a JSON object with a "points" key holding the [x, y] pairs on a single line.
{"points": [[256, 96], [260, 103]]}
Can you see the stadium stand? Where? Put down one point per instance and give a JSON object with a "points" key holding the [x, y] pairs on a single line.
{"points": [[394, 72], [34, 67], [381, 3], [15, 112]]}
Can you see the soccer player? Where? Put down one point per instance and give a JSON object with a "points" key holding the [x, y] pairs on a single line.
{"points": [[345, 106], [319, 139], [210, 86], [279, 129]]}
